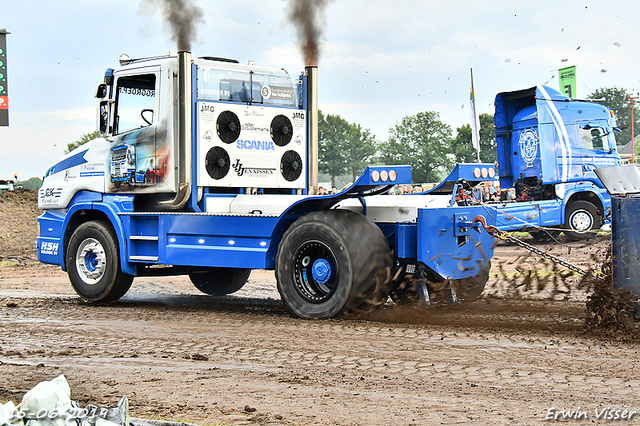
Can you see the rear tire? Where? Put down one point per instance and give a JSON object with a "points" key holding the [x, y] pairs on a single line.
{"points": [[331, 262], [93, 263], [582, 218], [219, 281]]}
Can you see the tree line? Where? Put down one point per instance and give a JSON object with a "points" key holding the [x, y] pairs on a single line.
{"points": [[422, 141]]}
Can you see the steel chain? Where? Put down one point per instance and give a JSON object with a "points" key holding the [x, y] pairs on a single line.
{"points": [[505, 236]]}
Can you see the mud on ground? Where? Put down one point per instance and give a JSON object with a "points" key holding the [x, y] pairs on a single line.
{"points": [[507, 358]]}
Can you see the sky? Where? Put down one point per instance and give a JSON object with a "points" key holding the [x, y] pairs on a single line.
{"points": [[379, 60]]}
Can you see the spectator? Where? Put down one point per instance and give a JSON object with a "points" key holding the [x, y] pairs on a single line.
{"points": [[497, 196], [489, 191]]}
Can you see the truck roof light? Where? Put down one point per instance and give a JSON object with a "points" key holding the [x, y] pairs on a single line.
{"points": [[484, 172], [124, 59], [476, 172], [492, 173], [375, 175], [393, 175], [384, 175]]}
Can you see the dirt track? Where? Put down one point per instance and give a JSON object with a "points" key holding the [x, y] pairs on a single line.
{"points": [[179, 355]]}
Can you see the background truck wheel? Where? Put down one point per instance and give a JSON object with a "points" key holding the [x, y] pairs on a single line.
{"points": [[219, 281], [329, 262], [93, 263], [582, 217]]}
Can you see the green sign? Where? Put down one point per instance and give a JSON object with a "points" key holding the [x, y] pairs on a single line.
{"points": [[568, 81]]}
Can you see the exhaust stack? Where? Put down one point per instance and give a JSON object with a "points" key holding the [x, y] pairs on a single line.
{"points": [[183, 158], [312, 115]]}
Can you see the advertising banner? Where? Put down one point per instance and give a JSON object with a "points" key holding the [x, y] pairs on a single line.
{"points": [[568, 81]]}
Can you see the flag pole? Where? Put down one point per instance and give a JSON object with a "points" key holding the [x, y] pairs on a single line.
{"points": [[475, 120]]}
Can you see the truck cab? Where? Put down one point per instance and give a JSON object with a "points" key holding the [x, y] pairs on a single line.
{"points": [[548, 147]]}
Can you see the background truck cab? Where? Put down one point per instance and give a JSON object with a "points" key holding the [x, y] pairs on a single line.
{"points": [[547, 149]]}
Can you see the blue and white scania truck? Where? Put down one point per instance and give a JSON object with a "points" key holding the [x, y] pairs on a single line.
{"points": [[548, 147], [237, 145]]}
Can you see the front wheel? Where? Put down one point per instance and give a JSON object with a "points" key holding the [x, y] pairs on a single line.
{"points": [[219, 281], [330, 262], [93, 263], [582, 218]]}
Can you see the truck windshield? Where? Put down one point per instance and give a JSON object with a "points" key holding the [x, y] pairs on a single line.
{"points": [[119, 154], [135, 94], [218, 84], [596, 138]]}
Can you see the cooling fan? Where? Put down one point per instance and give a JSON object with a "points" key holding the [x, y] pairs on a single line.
{"points": [[281, 130], [228, 126], [291, 165], [217, 162]]}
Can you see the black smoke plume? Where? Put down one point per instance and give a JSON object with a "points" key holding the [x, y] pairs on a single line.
{"points": [[182, 16], [308, 18]]}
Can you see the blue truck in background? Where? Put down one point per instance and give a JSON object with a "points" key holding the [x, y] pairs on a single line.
{"points": [[548, 147]]}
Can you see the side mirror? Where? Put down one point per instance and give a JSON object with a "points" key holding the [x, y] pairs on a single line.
{"points": [[103, 118], [101, 91]]}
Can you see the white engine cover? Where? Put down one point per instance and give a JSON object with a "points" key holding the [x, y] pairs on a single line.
{"points": [[249, 153]]}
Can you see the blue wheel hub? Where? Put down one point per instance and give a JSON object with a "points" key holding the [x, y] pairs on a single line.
{"points": [[321, 271], [91, 261]]}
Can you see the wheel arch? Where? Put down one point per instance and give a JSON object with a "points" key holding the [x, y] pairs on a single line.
{"points": [[292, 214], [90, 211]]}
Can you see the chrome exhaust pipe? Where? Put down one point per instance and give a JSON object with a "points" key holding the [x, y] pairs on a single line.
{"points": [[183, 158], [312, 137]]}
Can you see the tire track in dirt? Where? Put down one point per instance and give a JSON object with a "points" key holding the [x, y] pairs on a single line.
{"points": [[86, 336]]}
